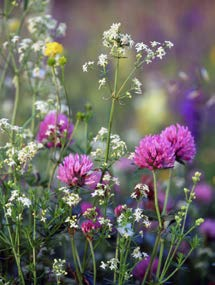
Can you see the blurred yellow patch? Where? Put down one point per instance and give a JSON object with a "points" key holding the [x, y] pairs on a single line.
{"points": [[13, 25], [152, 110], [52, 49]]}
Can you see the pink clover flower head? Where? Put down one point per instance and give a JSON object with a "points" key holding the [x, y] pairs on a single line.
{"points": [[204, 192], [154, 152], [89, 228], [76, 170], [183, 142], [141, 267], [119, 209], [54, 129], [207, 228]]}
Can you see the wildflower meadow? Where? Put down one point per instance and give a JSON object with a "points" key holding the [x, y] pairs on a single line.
{"points": [[81, 202]]}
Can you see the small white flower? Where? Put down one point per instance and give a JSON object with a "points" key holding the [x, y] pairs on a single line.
{"points": [[140, 46], [102, 61], [102, 82], [103, 265], [154, 44], [15, 39], [138, 214], [25, 201], [87, 65], [160, 52], [169, 44], [72, 222], [71, 199]]}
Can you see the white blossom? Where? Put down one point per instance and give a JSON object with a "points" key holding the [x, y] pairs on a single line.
{"points": [[87, 65], [102, 82], [102, 60]]}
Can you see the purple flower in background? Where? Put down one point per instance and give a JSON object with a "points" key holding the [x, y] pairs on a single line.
{"points": [[183, 142], [207, 228], [154, 152], [76, 170], [204, 192], [140, 269], [191, 108], [54, 129]]}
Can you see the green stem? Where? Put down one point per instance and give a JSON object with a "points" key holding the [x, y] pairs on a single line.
{"points": [[125, 82], [116, 257], [85, 255], [112, 112], [34, 250], [156, 200], [61, 153], [74, 254], [16, 256], [54, 76], [123, 262], [167, 191], [173, 273], [65, 90], [94, 261], [154, 252], [15, 107], [160, 258]]}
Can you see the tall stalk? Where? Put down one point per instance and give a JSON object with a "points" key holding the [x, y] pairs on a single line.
{"points": [[112, 111]]}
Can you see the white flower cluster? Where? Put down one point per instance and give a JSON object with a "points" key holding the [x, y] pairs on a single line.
{"points": [[71, 199], [111, 264], [91, 214], [73, 224], [102, 60], [156, 50], [87, 65], [140, 191], [58, 267], [12, 203], [102, 192], [137, 254], [45, 25], [118, 147], [116, 41], [28, 152], [5, 126]]}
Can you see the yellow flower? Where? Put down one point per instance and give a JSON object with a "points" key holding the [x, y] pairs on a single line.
{"points": [[52, 49]]}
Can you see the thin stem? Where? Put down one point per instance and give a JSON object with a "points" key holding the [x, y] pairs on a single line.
{"points": [[61, 152], [167, 191], [57, 88], [65, 90], [16, 256], [74, 254], [174, 271], [160, 258], [112, 111], [116, 257], [15, 107], [94, 261], [154, 252], [34, 250], [156, 200], [125, 82], [85, 255]]}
